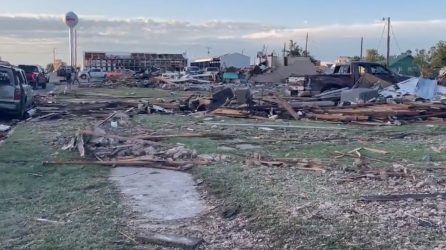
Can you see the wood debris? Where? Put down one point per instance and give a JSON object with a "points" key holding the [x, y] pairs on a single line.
{"points": [[100, 148], [241, 103], [301, 164]]}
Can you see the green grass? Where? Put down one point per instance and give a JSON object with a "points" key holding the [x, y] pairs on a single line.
{"points": [[124, 92], [286, 203], [81, 197]]}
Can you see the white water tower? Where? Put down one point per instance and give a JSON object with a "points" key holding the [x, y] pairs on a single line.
{"points": [[71, 20]]}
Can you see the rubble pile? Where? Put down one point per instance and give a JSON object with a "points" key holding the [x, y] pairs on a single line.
{"points": [[241, 103], [370, 102], [116, 83], [99, 147]]}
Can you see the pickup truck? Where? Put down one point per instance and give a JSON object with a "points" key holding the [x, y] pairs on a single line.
{"points": [[345, 75], [92, 73], [34, 75], [47, 76], [16, 95]]}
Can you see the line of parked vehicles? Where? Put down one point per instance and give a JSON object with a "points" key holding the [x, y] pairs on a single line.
{"points": [[17, 84]]}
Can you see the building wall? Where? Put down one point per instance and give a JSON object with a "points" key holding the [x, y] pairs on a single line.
{"points": [[135, 61], [343, 59], [235, 60], [405, 66], [280, 61]]}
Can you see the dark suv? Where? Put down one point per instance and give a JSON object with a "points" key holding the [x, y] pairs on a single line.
{"points": [[34, 75]]}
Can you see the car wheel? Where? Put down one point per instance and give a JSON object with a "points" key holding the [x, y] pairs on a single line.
{"points": [[21, 113], [83, 77], [43, 85]]}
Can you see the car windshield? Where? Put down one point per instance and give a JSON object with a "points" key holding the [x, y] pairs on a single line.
{"points": [[29, 68], [4, 77], [193, 68]]}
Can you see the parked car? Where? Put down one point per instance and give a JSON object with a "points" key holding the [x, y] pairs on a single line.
{"points": [[94, 73], [47, 76], [191, 70], [34, 75], [16, 95]]}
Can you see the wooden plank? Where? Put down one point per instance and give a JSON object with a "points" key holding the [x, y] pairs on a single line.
{"points": [[286, 106], [186, 243]]}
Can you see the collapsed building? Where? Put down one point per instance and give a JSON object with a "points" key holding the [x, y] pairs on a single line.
{"points": [[230, 60], [109, 61]]}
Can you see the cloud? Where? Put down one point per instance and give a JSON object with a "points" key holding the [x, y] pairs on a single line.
{"points": [[25, 33]]}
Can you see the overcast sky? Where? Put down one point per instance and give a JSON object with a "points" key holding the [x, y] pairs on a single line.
{"points": [[31, 29]]}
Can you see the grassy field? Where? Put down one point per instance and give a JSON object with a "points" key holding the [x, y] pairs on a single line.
{"points": [[297, 209], [123, 92], [60, 207], [308, 210]]}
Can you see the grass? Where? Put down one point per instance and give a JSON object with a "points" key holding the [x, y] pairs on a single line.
{"points": [[124, 92], [80, 197], [308, 210]]}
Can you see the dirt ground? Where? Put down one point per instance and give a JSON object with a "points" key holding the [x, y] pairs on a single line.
{"points": [[299, 209], [275, 205]]}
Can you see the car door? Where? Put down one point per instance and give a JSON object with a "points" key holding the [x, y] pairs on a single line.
{"points": [[6, 88], [29, 92], [94, 73]]}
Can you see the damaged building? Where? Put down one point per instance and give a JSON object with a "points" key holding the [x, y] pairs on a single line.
{"points": [[279, 69], [109, 61], [235, 60]]}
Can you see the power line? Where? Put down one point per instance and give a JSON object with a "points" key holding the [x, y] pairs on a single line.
{"points": [[394, 37], [382, 35]]}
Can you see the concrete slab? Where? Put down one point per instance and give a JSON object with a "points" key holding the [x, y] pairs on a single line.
{"points": [[159, 194]]}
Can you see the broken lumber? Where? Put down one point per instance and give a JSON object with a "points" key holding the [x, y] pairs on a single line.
{"points": [[185, 135], [186, 243], [287, 106], [131, 162], [109, 164], [126, 138]]}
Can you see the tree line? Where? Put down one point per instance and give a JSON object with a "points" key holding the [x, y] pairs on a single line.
{"points": [[429, 61]]}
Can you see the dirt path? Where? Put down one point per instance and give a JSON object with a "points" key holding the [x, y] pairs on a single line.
{"points": [[158, 194]]}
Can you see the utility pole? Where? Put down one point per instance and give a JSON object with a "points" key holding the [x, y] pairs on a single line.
{"points": [[284, 49], [306, 46], [209, 52], [360, 54], [388, 41], [54, 58]]}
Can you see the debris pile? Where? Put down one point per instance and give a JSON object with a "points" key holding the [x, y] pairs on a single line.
{"points": [[409, 102], [116, 83], [106, 149]]}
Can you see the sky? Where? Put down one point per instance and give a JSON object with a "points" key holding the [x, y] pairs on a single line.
{"points": [[31, 30]]}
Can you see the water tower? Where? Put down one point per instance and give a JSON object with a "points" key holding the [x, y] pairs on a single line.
{"points": [[71, 20]]}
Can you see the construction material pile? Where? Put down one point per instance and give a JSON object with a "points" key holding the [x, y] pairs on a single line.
{"points": [[102, 148], [243, 103]]}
